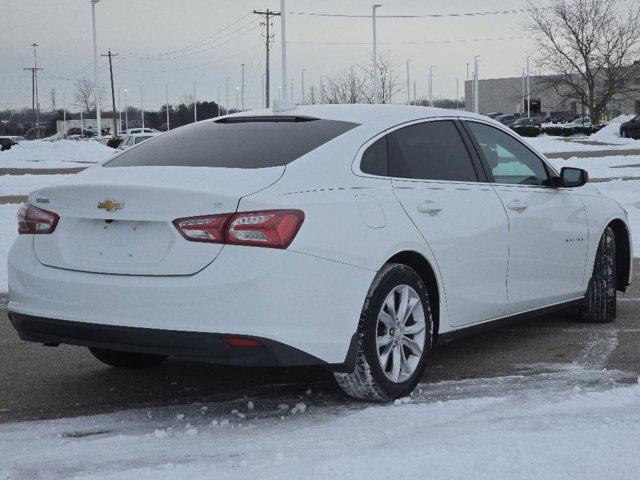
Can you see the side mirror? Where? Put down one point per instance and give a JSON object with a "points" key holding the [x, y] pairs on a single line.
{"points": [[571, 177]]}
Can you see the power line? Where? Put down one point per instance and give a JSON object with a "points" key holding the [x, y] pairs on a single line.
{"points": [[243, 31], [431, 15], [417, 42]]}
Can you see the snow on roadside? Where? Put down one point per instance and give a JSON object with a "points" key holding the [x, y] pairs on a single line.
{"points": [[60, 154], [590, 430], [610, 133], [547, 144], [603, 167], [25, 184]]}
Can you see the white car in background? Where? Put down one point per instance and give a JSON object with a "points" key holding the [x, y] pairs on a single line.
{"points": [[351, 236], [132, 131], [133, 139]]}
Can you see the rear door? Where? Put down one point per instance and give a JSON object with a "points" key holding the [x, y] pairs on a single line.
{"points": [[461, 218], [548, 226]]}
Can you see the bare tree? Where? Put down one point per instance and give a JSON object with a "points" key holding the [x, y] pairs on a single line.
{"points": [[388, 78], [589, 47], [83, 94], [347, 87], [356, 85]]}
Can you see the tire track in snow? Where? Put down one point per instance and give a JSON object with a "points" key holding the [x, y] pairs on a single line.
{"points": [[600, 343]]}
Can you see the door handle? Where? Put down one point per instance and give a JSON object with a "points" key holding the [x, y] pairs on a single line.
{"points": [[517, 205], [430, 207]]}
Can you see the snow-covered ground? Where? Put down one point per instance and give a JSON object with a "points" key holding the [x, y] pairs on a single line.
{"points": [[58, 154], [565, 423]]}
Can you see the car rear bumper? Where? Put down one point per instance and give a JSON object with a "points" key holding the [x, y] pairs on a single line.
{"points": [[307, 303], [195, 345]]}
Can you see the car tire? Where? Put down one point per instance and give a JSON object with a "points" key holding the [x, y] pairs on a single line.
{"points": [[128, 360], [600, 300], [391, 351]]}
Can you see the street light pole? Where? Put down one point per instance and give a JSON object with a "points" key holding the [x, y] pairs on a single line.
{"points": [[457, 92], [283, 42], [374, 86], [226, 103], [476, 85], [528, 88], [291, 92], [302, 99], [195, 107], [242, 86], [142, 104], [431, 85], [95, 69], [126, 111], [408, 84], [166, 95]]}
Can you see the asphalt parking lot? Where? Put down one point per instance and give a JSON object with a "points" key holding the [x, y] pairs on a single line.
{"points": [[39, 382]]}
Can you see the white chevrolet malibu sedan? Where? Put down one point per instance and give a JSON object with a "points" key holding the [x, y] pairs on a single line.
{"points": [[351, 236]]}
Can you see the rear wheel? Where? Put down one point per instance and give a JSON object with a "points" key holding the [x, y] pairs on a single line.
{"points": [[131, 360], [600, 300], [394, 337]]}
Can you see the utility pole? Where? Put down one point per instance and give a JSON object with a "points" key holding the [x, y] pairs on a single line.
{"points": [[95, 69], [322, 94], [64, 112], [195, 108], [268, 39], [414, 90], [262, 90], [113, 91], [242, 87], [374, 86], [408, 83], [283, 42], [457, 92], [302, 99], [166, 96], [120, 107], [467, 71], [291, 92], [35, 106], [218, 101]]}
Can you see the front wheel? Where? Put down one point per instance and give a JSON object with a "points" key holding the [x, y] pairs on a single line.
{"points": [[130, 360], [393, 339], [599, 305]]}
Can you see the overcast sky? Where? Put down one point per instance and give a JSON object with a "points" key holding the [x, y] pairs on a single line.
{"points": [[145, 28]]}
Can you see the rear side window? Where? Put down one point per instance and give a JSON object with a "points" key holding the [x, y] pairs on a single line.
{"points": [[430, 151], [375, 160], [240, 142]]}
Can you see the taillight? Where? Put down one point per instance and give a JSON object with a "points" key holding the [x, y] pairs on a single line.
{"points": [[267, 228], [206, 228], [34, 220]]}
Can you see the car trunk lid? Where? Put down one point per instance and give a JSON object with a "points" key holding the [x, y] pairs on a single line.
{"points": [[118, 220]]}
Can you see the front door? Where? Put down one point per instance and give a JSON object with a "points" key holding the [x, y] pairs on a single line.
{"points": [[461, 218], [548, 226]]}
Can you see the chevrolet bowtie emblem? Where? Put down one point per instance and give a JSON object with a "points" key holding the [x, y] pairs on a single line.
{"points": [[110, 205]]}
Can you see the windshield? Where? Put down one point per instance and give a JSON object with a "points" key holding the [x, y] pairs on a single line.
{"points": [[235, 142]]}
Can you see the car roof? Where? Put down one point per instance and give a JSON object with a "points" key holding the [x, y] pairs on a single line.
{"points": [[365, 114]]}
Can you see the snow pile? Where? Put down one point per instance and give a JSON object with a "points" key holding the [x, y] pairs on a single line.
{"points": [[25, 184], [575, 431], [60, 154], [610, 133]]}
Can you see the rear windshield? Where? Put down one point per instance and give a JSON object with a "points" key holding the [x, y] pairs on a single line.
{"points": [[240, 142]]}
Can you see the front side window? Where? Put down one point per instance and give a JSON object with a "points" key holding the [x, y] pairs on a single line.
{"points": [[509, 160], [430, 151]]}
